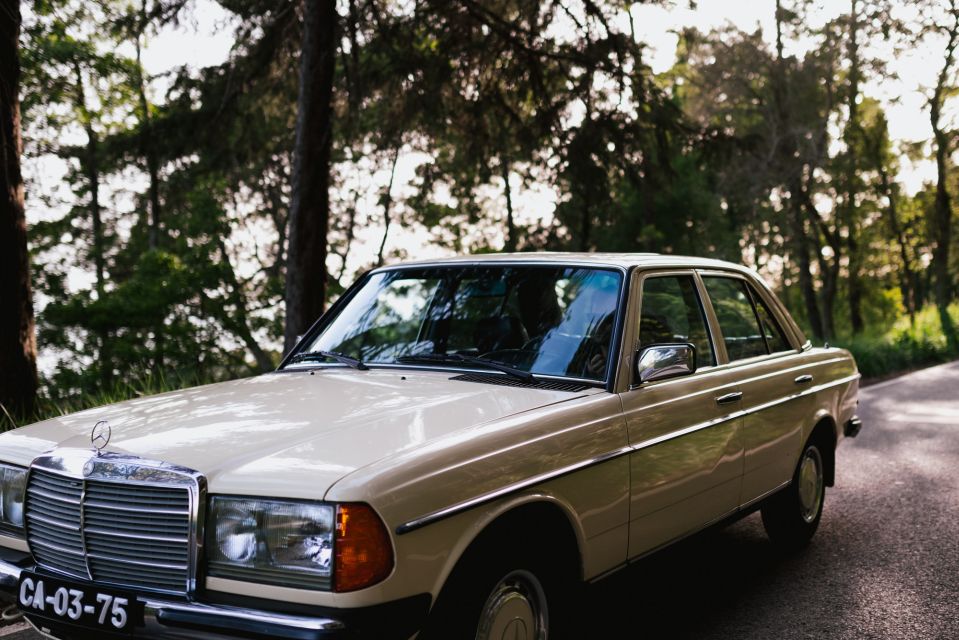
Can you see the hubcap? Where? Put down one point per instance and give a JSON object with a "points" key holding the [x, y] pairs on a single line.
{"points": [[810, 484], [514, 610]]}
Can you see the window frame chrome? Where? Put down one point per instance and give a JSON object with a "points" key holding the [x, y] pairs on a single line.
{"points": [[640, 277], [608, 383]]}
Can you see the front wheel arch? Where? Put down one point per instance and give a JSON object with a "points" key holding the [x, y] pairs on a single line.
{"points": [[539, 530]]}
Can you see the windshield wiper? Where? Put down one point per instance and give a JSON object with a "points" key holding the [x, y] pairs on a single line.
{"points": [[330, 355], [519, 374]]}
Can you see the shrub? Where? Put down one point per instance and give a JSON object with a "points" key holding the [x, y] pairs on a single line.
{"points": [[905, 346]]}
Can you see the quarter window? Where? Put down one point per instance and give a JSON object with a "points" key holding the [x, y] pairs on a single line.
{"points": [[671, 313], [737, 318]]}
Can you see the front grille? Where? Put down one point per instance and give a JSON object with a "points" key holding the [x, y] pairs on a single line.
{"points": [[124, 534]]}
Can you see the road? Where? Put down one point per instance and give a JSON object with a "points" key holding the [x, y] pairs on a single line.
{"points": [[884, 564]]}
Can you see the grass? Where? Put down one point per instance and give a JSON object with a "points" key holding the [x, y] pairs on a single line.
{"points": [[147, 383], [905, 347]]}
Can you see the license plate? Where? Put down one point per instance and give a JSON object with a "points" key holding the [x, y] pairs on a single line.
{"points": [[86, 605]]}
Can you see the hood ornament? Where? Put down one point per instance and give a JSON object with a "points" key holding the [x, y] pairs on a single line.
{"points": [[100, 436]]}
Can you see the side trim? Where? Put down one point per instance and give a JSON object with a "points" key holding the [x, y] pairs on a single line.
{"points": [[666, 437], [452, 510], [485, 498], [763, 496]]}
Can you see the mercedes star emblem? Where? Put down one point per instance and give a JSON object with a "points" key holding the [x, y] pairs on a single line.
{"points": [[100, 436]]}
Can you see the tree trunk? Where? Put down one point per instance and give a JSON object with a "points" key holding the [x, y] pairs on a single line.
{"points": [[510, 220], [238, 322], [828, 268], [387, 206], [18, 347], [853, 137], [942, 212], [908, 279], [586, 222], [806, 282], [91, 168], [306, 274]]}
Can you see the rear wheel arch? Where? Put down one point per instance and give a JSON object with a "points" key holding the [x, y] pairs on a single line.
{"points": [[825, 435]]}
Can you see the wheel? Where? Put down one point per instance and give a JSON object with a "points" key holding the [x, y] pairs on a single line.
{"points": [[494, 595], [515, 608], [792, 516]]}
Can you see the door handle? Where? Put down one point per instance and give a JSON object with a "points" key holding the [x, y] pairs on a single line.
{"points": [[803, 379], [730, 398]]}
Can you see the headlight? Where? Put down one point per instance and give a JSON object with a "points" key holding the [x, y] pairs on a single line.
{"points": [[303, 545], [271, 541], [13, 484]]}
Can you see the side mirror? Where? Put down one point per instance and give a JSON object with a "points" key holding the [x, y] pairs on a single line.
{"points": [[662, 361]]}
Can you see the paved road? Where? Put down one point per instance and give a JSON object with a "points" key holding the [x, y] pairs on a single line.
{"points": [[884, 564]]}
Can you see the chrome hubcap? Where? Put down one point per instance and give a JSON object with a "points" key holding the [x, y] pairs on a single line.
{"points": [[810, 484], [514, 610]]}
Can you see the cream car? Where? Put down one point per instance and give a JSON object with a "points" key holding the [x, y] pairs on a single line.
{"points": [[448, 453]]}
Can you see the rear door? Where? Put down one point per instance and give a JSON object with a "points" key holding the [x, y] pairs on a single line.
{"points": [[770, 372], [686, 467]]}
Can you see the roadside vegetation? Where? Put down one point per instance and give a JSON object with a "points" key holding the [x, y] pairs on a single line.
{"points": [[202, 217], [904, 347]]}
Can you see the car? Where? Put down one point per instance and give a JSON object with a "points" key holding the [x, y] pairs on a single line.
{"points": [[451, 451]]}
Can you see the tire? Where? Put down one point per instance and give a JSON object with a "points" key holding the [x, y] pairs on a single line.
{"points": [[492, 594], [792, 516]]}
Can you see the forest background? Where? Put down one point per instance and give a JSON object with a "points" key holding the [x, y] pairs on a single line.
{"points": [[166, 229]]}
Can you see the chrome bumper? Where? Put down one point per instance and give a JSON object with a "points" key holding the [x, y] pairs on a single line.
{"points": [[195, 621]]}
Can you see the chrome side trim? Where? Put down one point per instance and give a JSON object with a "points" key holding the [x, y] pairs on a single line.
{"points": [[672, 435], [484, 498], [763, 496], [465, 505]]}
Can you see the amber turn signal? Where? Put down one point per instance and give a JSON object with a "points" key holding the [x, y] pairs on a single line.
{"points": [[363, 553]]}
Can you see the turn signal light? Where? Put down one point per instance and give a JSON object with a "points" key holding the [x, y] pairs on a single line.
{"points": [[363, 552]]}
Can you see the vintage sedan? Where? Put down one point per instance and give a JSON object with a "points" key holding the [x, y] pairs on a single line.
{"points": [[448, 453]]}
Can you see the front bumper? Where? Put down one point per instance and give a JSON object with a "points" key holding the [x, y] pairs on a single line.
{"points": [[176, 620]]}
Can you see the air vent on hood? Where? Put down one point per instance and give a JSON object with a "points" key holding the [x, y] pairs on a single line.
{"points": [[547, 385]]}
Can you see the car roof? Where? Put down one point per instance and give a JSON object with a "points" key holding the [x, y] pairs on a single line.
{"points": [[620, 260]]}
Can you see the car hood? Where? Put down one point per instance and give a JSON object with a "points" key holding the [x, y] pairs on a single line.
{"points": [[290, 434]]}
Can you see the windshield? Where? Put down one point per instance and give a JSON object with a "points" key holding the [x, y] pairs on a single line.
{"points": [[543, 320]]}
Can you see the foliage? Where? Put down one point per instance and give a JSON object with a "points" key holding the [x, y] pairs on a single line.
{"points": [[904, 347], [167, 255]]}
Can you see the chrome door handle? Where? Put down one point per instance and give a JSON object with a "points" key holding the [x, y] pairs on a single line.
{"points": [[804, 379], [730, 398]]}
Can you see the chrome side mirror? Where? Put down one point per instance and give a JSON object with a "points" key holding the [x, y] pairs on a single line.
{"points": [[662, 361]]}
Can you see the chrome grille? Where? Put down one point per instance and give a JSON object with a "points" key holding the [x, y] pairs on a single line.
{"points": [[53, 505], [133, 535]]}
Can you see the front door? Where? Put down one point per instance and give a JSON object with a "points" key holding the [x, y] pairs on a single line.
{"points": [[687, 463]]}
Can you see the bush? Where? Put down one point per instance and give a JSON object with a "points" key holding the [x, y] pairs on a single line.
{"points": [[904, 347]]}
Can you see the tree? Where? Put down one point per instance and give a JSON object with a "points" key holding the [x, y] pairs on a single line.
{"points": [[943, 142], [306, 277], [18, 369]]}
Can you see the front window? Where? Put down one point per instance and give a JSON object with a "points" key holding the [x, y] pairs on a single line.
{"points": [[543, 320]]}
